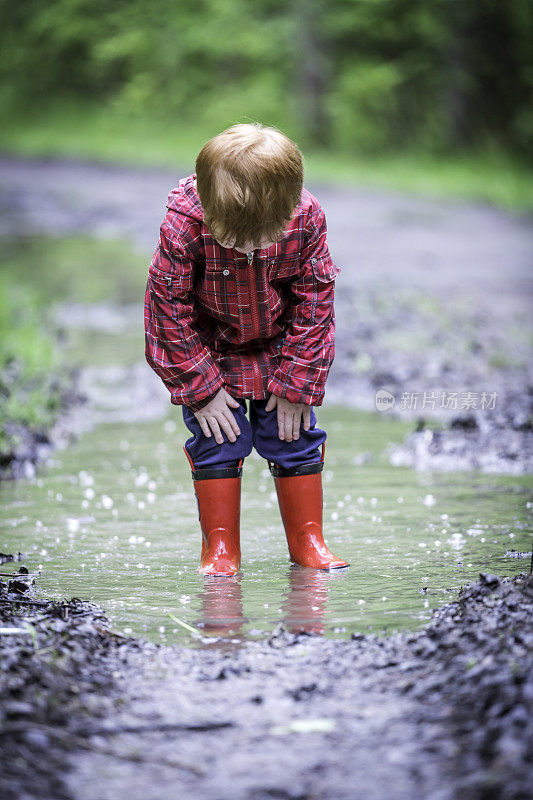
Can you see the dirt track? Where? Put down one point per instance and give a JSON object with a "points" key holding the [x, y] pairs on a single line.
{"points": [[434, 297], [442, 714], [443, 246]]}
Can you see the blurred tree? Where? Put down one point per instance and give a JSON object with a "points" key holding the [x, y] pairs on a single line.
{"points": [[311, 66], [361, 75]]}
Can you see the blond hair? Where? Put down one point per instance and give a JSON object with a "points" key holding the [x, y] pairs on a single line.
{"points": [[249, 179]]}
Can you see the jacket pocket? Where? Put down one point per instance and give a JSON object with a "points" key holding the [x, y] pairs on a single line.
{"points": [[324, 269], [283, 268], [171, 286]]}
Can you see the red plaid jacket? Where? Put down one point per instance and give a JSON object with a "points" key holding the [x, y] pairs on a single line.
{"points": [[257, 324]]}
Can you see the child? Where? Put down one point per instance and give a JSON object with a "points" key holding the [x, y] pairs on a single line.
{"points": [[239, 304]]}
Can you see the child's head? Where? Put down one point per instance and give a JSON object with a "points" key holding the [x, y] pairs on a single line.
{"points": [[249, 179]]}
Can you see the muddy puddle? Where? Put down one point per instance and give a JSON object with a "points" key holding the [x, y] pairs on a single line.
{"points": [[112, 519], [278, 683]]}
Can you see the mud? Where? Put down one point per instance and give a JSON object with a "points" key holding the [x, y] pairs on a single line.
{"points": [[87, 713], [444, 713], [463, 376]]}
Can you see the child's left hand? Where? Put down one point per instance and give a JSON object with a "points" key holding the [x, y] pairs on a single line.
{"points": [[289, 416]]}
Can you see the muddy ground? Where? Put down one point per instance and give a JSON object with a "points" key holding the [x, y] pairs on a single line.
{"points": [[441, 714], [434, 296]]}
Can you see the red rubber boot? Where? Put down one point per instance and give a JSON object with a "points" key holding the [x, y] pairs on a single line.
{"points": [[218, 495], [299, 492]]}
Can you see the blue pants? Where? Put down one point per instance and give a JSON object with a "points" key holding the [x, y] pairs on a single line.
{"points": [[261, 432]]}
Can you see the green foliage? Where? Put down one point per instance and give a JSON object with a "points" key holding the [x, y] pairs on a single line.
{"points": [[353, 76], [38, 273], [20, 320], [356, 105], [30, 390], [75, 268]]}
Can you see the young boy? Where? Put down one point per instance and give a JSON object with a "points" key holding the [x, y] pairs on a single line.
{"points": [[239, 304]]}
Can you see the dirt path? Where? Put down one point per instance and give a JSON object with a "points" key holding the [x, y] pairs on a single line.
{"points": [[434, 300], [442, 246], [442, 714]]}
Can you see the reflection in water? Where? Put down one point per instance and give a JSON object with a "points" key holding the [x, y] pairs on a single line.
{"points": [[221, 607], [123, 532], [303, 606]]}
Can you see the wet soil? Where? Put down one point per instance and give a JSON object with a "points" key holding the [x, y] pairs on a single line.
{"points": [[432, 304], [434, 295], [443, 713]]}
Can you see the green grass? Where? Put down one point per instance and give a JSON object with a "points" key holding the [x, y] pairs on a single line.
{"points": [[75, 268], [35, 356], [32, 376], [106, 135]]}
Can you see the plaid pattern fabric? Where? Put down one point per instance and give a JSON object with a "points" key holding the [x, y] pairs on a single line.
{"points": [[256, 323]]}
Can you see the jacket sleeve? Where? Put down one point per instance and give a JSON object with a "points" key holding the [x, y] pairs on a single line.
{"points": [[172, 346], [308, 347]]}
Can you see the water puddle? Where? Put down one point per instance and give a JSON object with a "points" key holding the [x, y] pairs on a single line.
{"points": [[113, 519]]}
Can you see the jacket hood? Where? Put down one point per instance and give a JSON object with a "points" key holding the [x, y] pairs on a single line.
{"points": [[184, 199]]}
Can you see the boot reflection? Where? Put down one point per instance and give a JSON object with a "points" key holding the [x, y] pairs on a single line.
{"points": [[305, 604], [221, 609]]}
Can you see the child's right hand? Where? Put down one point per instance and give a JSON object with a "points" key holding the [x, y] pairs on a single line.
{"points": [[216, 415]]}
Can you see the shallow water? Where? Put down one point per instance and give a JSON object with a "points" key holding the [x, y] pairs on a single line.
{"points": [[113, 519]]}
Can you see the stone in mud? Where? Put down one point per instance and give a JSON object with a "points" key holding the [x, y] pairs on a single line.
{"points": [[281, 637], [37, 738], [466, 423], [490, 581], [17, 708], [19, 586]]}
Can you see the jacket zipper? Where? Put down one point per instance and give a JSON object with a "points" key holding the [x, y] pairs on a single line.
{"points": [[253, 296], [255, 324]]}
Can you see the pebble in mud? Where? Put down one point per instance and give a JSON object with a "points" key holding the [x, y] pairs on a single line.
{"points": [[442, 713]]}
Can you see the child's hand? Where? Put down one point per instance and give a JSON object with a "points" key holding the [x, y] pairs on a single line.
{"points": [[217, 415], [289, 416]]}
